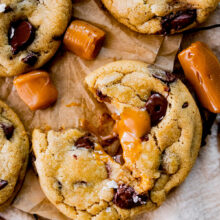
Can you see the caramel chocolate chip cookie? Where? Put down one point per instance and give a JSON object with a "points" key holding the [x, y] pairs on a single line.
{"points": [[14, 151], [160, 16], [30, 33], [160, 138]]}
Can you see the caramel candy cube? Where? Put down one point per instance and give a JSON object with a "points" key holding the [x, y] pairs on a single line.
{"points": [[84, 39], [36, 89], [202, 69]]}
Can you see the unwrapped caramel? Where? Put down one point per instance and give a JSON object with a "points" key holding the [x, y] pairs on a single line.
{"points": [[84, 39], [202, 69], [36, 89]]}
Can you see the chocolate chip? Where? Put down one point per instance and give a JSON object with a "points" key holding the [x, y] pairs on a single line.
{"points": [[156, 106], [108, 140], [4, 8], [21, 34], [85, 142], [101, 96], [59, 185], [8, 130], [75, 157], [185, 105], [167, 89], [178, 21], [119, 159], [145, 138], [31, 58], [3, 184], [183, 19], [8, 9], [126, 198], [164, 76]]}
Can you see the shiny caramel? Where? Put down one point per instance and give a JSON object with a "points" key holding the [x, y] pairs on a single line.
{"points": [[131, 127], [202, 69], [36, 89], [84, 39]]}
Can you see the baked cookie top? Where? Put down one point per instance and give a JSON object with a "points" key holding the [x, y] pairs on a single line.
{"points": [[160, 16], [84, 182], [30, 33], [14, 151]]}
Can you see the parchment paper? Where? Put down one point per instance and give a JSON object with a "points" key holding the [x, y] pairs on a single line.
{"points": [[76, 107]]}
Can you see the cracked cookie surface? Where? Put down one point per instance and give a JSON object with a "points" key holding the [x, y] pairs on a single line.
{"points": [[30, 33], [85, 182], [14, 151], [160, 16]]}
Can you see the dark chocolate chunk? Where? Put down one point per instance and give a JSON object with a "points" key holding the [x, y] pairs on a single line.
{"points": [[3, 184], [156, 106], [31, 59], [108, 140], [178, 21], [164, 76], [21, 34], [101, 96], [185, 105], [7, 9], [145, 138], [126, 198], [119, 159], [8, 130], [85, 142], [59, 185], [167, 89]]}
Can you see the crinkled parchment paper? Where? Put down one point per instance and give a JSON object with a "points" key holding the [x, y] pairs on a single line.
{"points": [[75, 106]]}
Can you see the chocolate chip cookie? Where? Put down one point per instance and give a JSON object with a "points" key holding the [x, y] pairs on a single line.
{"points": [[159, 129], [14, 151], [160, 16], [30, 33]]}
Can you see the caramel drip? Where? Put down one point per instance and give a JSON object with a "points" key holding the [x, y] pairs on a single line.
{"points": [[132, 125]]}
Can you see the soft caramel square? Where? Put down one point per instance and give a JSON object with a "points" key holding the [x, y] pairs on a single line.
{"points": [[36, 89], [84, 39], [202, 69]]}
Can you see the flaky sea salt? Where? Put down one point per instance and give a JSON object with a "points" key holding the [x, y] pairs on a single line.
{"points": [[2, 7], [112, 184], [108, 209], [135, 199]]}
